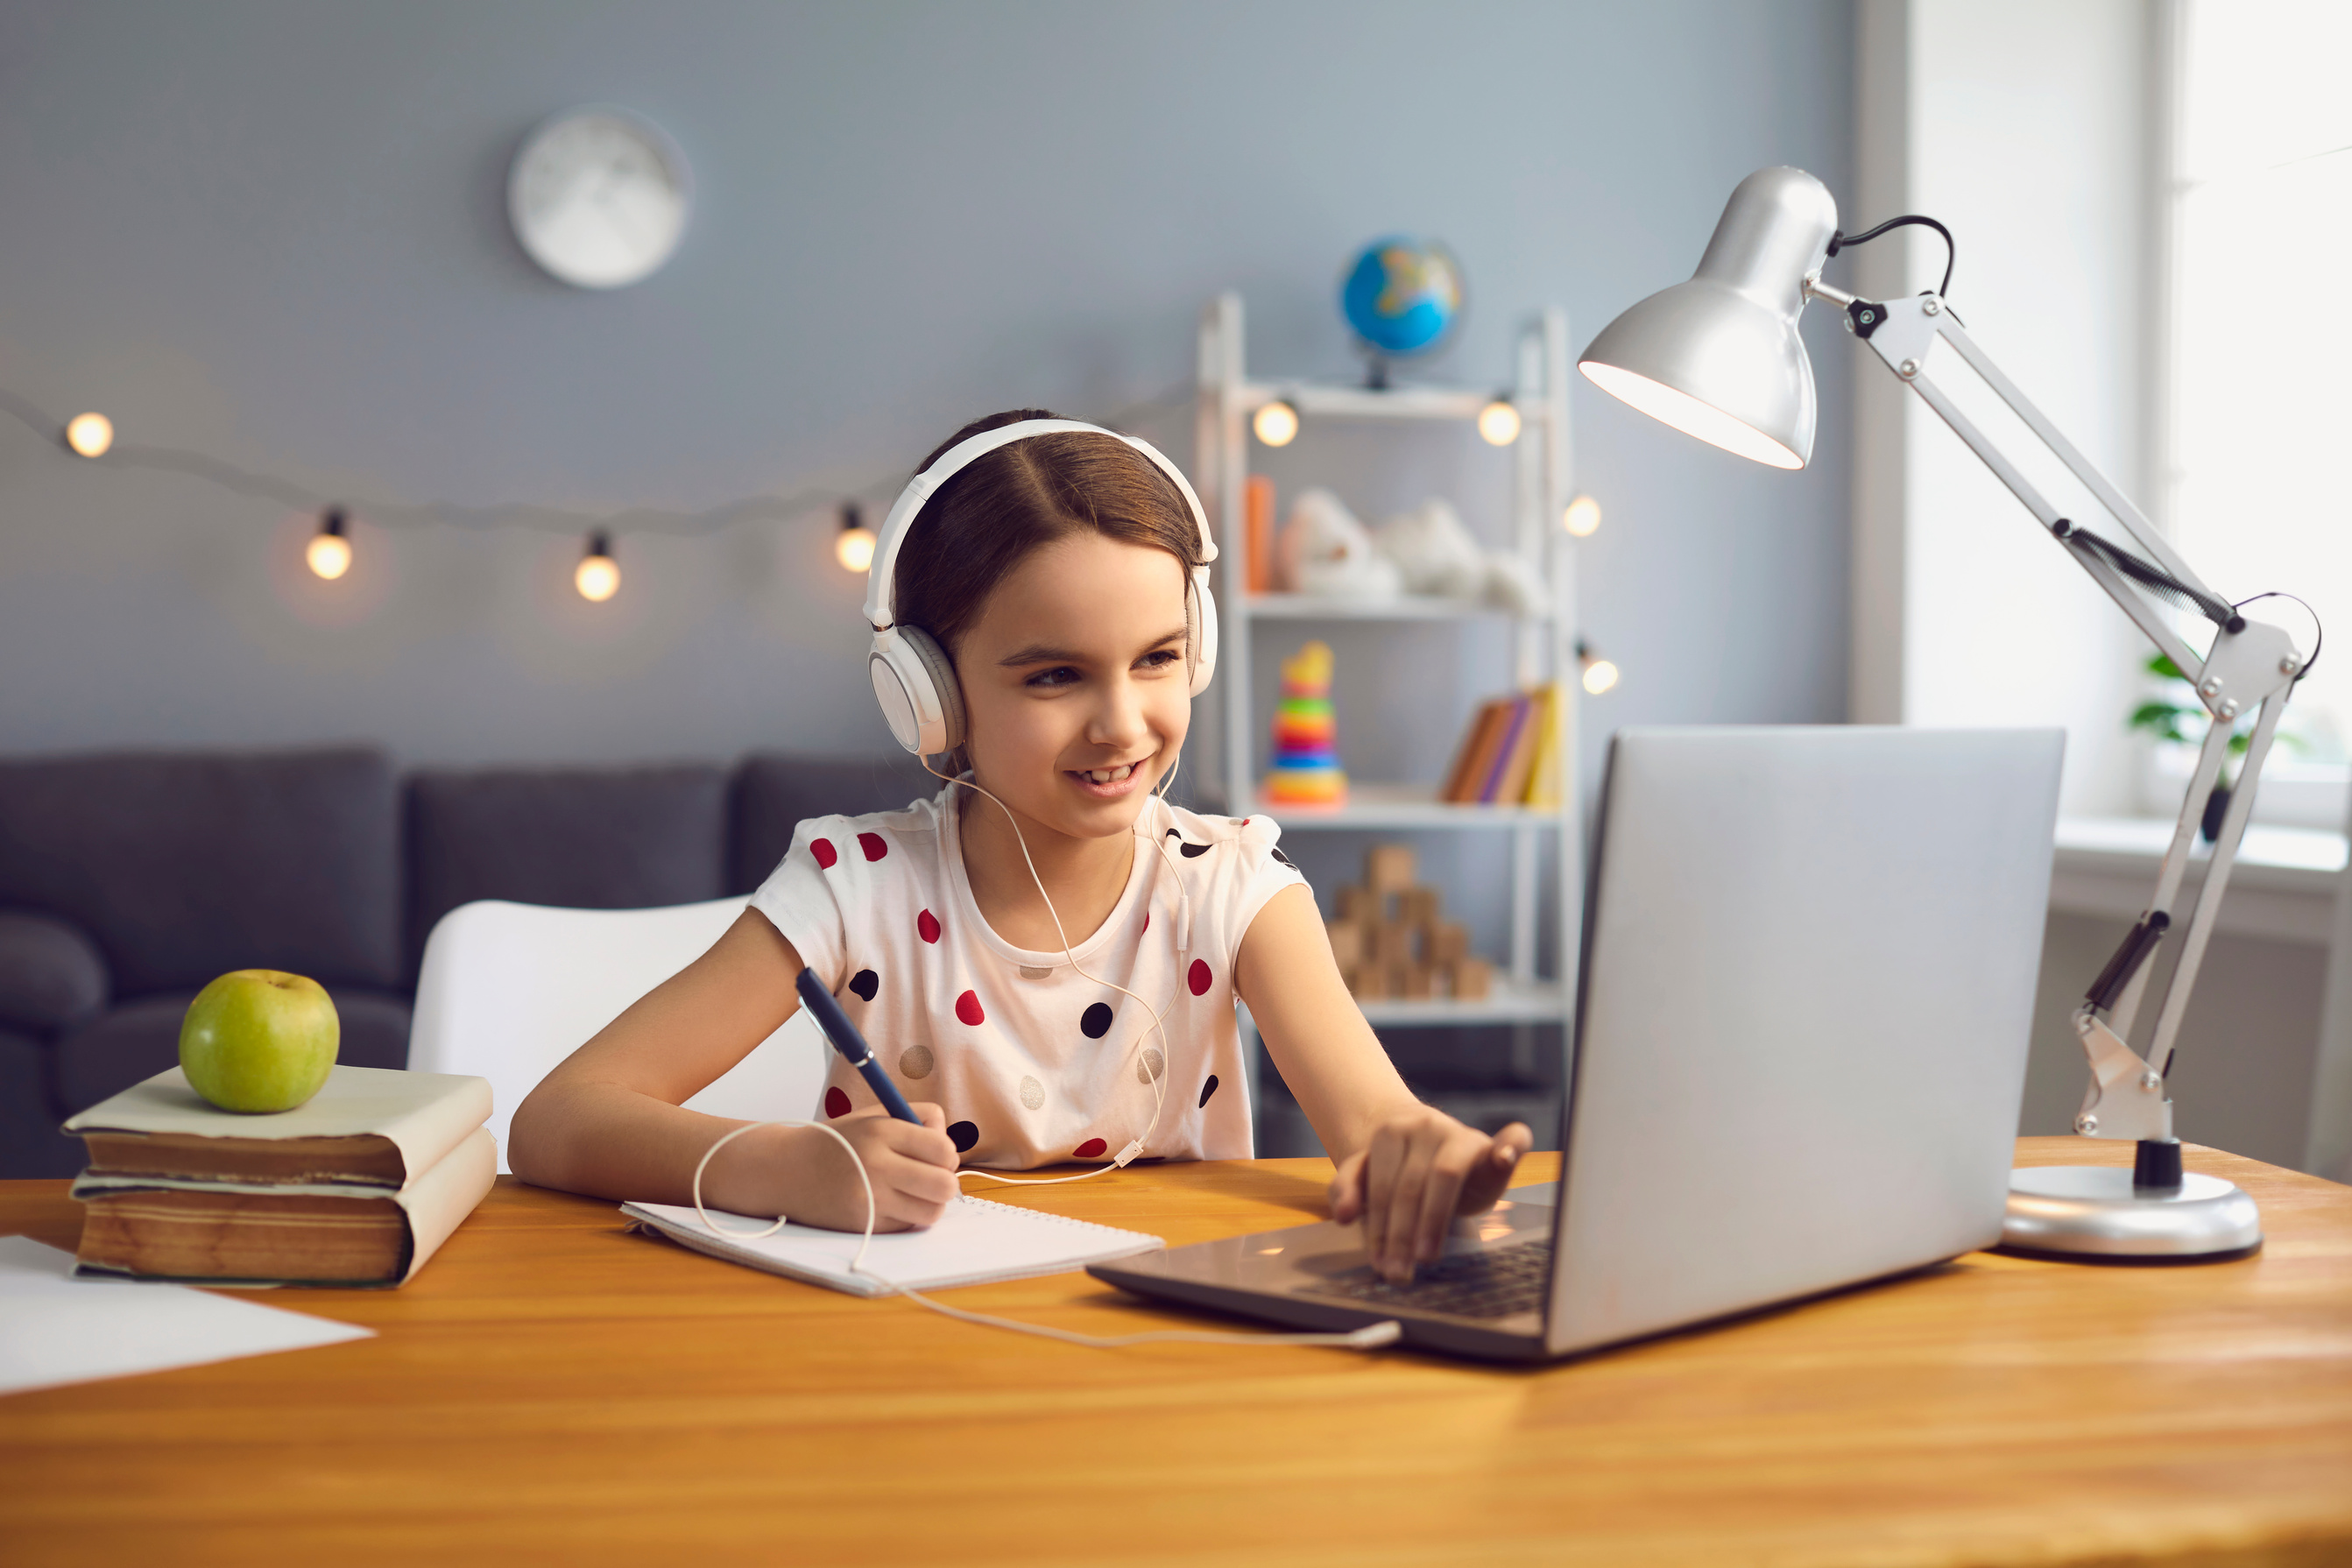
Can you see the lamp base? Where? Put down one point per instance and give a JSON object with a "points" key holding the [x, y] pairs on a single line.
{"points": [[2093, 1214]]}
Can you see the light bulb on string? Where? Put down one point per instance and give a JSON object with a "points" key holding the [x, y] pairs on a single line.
{"points": [[1498, 421], [1600, 675], [1583, 517], [91, 434], [598, 575], [1276, 423], [853, 545], [329, 552]]}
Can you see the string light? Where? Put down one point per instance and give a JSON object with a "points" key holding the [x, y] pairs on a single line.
{"points": [[598, 575], [1276, 423], [1600, 675], [853, 545], [1583, 517], [89, 434], [1498, 421], [330, 550]]}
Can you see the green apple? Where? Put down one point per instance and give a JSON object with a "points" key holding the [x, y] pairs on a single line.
{"points": [[260, 1039]]}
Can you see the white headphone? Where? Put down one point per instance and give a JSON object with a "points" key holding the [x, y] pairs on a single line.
{"points": [[913, 680]]}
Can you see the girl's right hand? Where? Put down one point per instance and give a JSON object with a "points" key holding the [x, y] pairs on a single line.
{"points": [[801, 1172]]}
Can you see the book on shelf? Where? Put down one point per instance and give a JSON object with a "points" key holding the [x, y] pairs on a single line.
{"points": [[359, 1186], [1509, 754]]}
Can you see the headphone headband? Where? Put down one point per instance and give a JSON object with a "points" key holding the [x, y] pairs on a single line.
{"points": [[882, 580]]}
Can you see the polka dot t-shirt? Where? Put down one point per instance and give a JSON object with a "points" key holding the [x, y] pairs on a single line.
{"points": [[1034, 1064]]}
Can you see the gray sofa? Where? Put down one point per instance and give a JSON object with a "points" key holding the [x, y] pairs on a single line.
{"points": [[128, 881]]}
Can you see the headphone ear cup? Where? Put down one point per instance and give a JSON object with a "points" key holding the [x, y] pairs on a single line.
{"points": [[1204, 631], [916, 687]]}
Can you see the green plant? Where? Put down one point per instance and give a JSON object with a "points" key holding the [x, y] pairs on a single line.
{"points": [[2187, 721]]}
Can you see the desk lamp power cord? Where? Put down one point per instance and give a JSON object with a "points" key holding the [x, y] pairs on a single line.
{"points": [[1370, 1337]]}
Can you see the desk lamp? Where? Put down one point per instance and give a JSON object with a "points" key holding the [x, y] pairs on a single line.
{"points": [[1718, 358]]}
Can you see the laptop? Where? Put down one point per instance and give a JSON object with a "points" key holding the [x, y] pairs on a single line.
{"points": [[1798, 1059]]}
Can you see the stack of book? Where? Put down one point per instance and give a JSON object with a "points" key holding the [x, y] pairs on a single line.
{"points": [[1510, 756], [359, 1186]]}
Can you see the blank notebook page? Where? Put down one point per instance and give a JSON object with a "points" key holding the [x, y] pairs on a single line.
{"points": [[975, 1242]]}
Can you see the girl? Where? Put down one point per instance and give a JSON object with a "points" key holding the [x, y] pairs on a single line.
{"points": [[1045, 955]]}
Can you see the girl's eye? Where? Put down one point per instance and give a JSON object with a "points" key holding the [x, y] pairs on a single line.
{"points": [[1159, 659], [1061, 675]]}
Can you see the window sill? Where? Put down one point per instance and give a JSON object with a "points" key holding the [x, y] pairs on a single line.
{"points": [[2281, 889]]}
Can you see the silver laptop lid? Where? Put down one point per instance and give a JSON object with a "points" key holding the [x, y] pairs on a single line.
{"points": [[1808, 986]]}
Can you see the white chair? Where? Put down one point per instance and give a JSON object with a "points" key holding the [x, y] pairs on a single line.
{"points": [[509, 990]]}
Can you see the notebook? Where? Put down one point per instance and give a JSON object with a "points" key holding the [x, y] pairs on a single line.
{"points": [[975, 1242]]}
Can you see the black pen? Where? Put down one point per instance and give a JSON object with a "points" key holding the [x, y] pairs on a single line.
{"points": [[852, 1045]]}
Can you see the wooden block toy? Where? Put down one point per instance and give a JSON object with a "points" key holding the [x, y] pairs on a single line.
{"points": [[1361, 906], [1399, 982], [1417, 906], [1420, 982], [1471, 979], [1445, 942], [1347, 942], [1391, 944], [1389, 867], [1367, 982]]}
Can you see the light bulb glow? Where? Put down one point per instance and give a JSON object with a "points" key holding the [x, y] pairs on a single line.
{"points": [[1671, 405], [1582, 517], [1498, 421], [1600, 675], [598, 575], [89, 434], [854, 548], [1276, 423], [329, 555]]}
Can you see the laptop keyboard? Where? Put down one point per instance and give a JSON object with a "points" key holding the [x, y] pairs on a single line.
{"points": [[1493, 1283]]}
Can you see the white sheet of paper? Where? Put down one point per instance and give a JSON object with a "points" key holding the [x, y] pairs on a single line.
{"points": [[55, 1329]]}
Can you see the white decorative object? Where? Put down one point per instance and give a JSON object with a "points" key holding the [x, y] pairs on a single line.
{"points": [[1433, 551], [599, 197], [1512, 584], [1325, 551]]}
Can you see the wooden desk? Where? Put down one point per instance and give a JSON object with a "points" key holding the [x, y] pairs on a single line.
{"points": [[551, 1389]]}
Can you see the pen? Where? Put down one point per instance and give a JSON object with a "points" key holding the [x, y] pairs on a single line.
{"points": [[852, 1046]]}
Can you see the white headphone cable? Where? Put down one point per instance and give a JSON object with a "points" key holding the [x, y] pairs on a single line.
{"points": [[1372, 1336]]}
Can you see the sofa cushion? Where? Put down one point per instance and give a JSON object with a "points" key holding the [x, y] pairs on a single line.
{"points": [[592, 838], [51, 975], [184, 867], [774, 791], [30, 1143], [141, 1039]]}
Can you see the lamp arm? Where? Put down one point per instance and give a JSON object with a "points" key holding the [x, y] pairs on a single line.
{"points": [[2249, 663]]}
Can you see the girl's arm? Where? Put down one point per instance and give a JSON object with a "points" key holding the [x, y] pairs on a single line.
{"points": [[611, 1120], [1405, 1168]]}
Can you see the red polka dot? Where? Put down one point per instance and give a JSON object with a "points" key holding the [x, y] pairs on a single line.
{"points": [[874, 846], [1198, 977], [968, 1009], [1090, 1150], [824, 852], [1147, 919], [926, 925], [837, 1100], [1244, 822]]}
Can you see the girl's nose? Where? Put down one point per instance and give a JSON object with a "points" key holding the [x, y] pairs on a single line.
{"points": [[1118, 720]]}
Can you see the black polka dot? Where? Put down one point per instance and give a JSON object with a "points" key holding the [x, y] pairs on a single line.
{"points": [[963, 1136], [1097, 1021], [1208, 1088], [1191, 850], [866, 982], [1283, 858], [1174, 834]]}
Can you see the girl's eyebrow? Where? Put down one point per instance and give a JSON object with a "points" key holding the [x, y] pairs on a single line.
{"points": [[1042, 653]]}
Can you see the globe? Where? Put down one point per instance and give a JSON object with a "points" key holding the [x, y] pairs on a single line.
{"points": [[1402, 294]]}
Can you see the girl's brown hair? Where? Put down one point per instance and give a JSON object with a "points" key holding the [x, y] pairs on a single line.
{"points": [[986, 521]]}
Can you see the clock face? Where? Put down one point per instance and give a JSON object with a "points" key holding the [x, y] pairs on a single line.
{"points": [[599, 197]]}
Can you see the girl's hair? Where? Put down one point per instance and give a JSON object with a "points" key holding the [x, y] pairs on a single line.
{"points": [[985, 521]]}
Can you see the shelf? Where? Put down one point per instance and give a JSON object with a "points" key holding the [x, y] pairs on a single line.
{"points": [[1541, 1001], [1324, 401], [1408, 607], [1402, 806]]}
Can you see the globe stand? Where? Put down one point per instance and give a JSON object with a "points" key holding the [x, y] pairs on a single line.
{"points": [[1376, 372]]}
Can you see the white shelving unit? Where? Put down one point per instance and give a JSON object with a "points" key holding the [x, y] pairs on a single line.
{"points": [[1534, 987]]}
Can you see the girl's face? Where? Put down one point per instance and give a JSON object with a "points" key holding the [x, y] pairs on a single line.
{"points": [[1075, 684]]}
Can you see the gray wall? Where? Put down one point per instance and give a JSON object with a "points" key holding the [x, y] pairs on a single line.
{"points": [[274, 231]]}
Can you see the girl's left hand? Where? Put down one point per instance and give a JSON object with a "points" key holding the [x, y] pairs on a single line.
{"points": [[1420, 1170]]}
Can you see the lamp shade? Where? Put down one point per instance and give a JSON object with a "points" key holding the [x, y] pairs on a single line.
{"points": [[1719, 357]]}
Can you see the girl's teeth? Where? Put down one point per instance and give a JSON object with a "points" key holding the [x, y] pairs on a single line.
{"points": [[1110, 776]]}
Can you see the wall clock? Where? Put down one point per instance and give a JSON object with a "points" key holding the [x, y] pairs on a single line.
{"points": [[599, 197]]}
